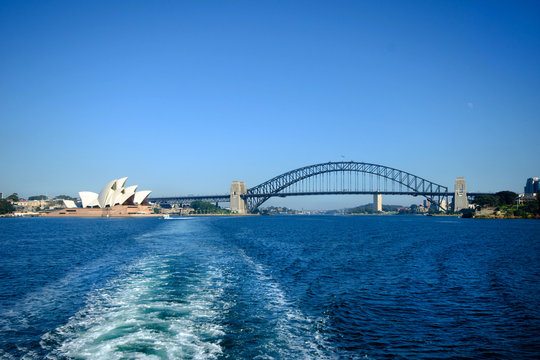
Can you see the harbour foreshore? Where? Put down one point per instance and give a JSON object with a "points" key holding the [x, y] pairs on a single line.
{"points": [[107, 212]]}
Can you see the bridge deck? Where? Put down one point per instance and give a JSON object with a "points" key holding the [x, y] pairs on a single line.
{"points": [[185, 199], [226, 197]]}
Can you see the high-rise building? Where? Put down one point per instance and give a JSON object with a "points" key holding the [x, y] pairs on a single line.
{"points": [[532, 186], [444, 205]]}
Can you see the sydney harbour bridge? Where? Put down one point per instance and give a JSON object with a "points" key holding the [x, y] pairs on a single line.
{"points": [[334, 178]]}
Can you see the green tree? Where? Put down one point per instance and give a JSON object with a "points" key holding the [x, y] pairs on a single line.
{"points": [[362, 209], [404, 212], [506, 197], [6, 207], [531, 207], [486, 200], [13, 197], [520, 213], [203, 207], [467, 213]]}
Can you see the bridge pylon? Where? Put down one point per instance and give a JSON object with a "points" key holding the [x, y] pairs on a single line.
{"points": [[460, 195], [238, 202], [377, 202]]}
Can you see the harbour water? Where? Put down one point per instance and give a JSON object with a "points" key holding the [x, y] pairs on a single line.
{"points": [[276, 287]]}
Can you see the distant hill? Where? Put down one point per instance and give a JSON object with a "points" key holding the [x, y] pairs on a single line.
{"points": [[368, 209]]}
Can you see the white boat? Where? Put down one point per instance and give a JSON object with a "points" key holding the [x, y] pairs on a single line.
{"points": [[166, 216]]}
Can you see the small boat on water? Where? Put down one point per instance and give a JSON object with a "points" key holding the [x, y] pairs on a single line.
{"points": [[166, 216]]}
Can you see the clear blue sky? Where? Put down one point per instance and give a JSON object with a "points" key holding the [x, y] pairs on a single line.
{"points": [[184, 97]]}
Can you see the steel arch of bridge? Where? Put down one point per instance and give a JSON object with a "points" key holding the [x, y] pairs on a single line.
{"points": [[284, 184]]}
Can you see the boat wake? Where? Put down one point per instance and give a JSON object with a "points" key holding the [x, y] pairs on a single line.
{"points": [[209, 300], [146, 314]]}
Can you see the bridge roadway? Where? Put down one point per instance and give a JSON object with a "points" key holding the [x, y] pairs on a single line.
{"points": [[188, 199], [226, 197]]}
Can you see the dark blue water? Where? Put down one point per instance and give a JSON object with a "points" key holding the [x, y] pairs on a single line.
{"points": [[376, 287]]}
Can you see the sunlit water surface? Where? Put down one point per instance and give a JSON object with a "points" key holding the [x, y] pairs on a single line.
{"points": [[319, 287]]}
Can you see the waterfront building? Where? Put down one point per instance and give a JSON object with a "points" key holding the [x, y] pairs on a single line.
{"points": [[428, 205], [114, 200], [28, 205], [421, 208], [114, 193], [532, 186], [444, 205]]}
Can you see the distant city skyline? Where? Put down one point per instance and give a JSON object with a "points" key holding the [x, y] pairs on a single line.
{"points": [[187, 97]]}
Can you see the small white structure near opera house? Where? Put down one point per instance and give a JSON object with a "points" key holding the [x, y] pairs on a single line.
{"points": [[114, 200]]}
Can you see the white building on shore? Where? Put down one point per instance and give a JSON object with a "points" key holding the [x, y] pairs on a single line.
{"points": [[114, 200]]}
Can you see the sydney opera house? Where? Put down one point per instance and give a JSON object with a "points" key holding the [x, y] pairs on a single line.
{"points": [[114, 200]]}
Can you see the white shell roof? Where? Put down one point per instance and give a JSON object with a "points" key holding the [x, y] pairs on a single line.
{"points": [[88, 198], [106, 193], [114, 193], [127, 193], [140, 196], [69, 204]]}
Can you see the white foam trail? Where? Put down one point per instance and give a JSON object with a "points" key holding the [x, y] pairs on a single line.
{"points": [[161, 308], [296, 334], [134, 317]]}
